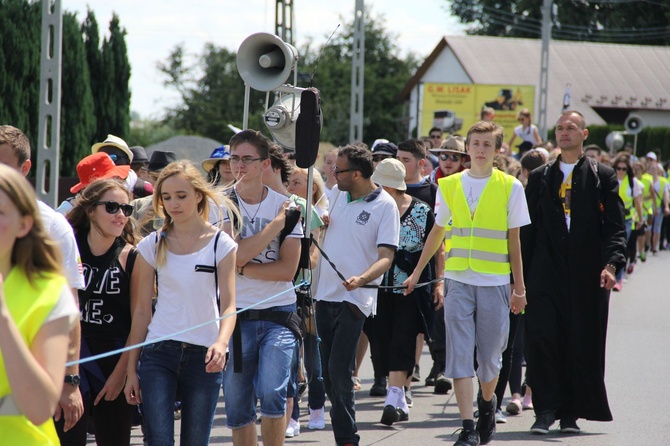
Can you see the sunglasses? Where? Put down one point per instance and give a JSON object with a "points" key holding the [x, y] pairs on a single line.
{"points": [[435, 136], [450, 156], [622, 168], [112, 207], [119, 160]]}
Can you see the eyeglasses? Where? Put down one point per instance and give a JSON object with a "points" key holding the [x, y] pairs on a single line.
{"points": [[246, 160], [378, 158], [622, 168], [450, 156], [435, 136], [112, 207], [337, 172]]}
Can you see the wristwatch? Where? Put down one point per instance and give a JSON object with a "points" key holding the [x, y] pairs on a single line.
{"points": [[72, 379]]}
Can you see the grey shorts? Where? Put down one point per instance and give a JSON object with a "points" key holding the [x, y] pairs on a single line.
{"points": [[475, 316]]}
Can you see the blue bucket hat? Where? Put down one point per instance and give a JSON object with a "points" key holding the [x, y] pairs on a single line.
{"points": [[221, 153]]}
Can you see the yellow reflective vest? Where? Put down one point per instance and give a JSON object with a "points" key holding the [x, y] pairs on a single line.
{"points": [[626, 195], [478, 243], [29, 306]]}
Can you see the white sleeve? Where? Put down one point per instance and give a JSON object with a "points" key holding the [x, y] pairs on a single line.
{"points": [[637, 188], [59, 230], [147, 248], [442, 211], [388, 232], [517, 207], [65, 307], [225, 246]]}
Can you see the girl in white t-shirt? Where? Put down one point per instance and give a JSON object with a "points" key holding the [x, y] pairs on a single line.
{"points": [[192, 264], [527, 131]]}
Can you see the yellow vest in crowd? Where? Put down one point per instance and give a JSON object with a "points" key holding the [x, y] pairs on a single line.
{"points": [[478, 243], [626, 195], [29, 307]]}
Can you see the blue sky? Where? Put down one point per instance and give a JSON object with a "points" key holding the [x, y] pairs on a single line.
{"points": [[154, 27]]}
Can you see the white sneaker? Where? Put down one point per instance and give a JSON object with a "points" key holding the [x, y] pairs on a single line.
{"points": [[317, 419], [293, 429]]}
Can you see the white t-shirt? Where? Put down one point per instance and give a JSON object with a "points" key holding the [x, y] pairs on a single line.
{"points": [[356, 230], [526, 134], [249, 291], [565, 191], [58, 228], [517, 216], [186, 297]]}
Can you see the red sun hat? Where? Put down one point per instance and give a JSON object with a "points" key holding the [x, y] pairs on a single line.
{"points": [[97, 166]]}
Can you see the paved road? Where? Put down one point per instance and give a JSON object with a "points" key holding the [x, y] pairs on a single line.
{"points": [[638, 361]]}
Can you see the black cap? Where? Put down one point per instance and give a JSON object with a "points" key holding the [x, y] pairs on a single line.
{"points": [[159, 160], [385, 148], [139, 154]]}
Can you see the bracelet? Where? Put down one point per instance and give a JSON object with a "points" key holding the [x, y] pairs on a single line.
{"points": [[241, 272], [611, 266], [518, 295]]}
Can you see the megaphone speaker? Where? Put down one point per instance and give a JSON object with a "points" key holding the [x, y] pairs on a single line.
{"points": [[264, 61], [633, 124], [308, 128]]}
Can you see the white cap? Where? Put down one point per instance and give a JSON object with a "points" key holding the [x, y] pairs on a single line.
{"points": [[651, 156]]}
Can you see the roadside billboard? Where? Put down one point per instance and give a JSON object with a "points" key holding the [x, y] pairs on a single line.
{"points": [[455, 107]]}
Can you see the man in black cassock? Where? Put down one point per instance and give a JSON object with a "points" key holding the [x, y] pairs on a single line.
{"points": [[572, 250]]}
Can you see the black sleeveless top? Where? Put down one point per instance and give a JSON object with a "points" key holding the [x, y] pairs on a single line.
{"points": [[105, 303]]}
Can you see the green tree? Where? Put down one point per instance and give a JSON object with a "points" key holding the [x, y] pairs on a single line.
{"points": [[214, 98], [120, 67], [77, 114], [642, 23]]}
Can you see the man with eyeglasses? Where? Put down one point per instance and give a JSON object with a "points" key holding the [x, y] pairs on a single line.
{"points": [[435, 136], [360, 240], [15, 153]]}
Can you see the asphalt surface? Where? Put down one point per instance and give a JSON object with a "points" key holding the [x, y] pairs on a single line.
{"points": [[638, 359]]}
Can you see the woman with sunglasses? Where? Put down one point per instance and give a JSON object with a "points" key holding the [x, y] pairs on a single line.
{"points": [[105, 236]]}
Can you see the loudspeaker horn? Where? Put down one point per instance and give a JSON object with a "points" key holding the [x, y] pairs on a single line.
{"points": [[633, 124], [281, 119], [614, 141], [264, 61]]}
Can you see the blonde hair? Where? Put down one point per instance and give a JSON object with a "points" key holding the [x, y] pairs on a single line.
{"points": [[190, 173], [319, 197], [35, 253], [80, 215]]}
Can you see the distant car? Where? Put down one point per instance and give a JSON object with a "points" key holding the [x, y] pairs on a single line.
{"points": [[447, 121]]}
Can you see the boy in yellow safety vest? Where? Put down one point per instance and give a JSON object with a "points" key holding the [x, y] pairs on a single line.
{"points": [[486, 208]]}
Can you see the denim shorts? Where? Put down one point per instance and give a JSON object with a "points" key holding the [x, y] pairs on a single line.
{"points": [[267, 356]]}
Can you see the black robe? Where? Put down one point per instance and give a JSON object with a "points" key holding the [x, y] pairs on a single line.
{"points": [[566, 316]]}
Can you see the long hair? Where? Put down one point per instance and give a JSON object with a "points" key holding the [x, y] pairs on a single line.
{"points": [[35, 253], [190, 173], [80, 215]]}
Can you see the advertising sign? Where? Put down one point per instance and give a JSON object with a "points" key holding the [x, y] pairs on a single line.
{"points": [[455, 107]]}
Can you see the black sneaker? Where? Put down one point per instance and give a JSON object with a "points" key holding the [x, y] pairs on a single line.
{"points": [[379, 387], [486, 423], [569, 426], [434, 371], [467, 438], [543, 423], [402, 415], [442, 384], [389, 415]]}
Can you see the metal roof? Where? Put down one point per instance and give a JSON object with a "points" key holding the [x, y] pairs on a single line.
{"points": [[599, 74]]}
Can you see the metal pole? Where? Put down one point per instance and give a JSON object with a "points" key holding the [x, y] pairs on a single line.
{"points": [[544, 68], [357, 75], [48, 135], [245, 118]]}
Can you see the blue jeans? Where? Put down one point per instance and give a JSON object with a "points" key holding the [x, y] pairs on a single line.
{"points": [[163, 365], [339, 326], [267, 355], [316, 397]]}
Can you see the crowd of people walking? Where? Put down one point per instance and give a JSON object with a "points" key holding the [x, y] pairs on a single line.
{"points": [[492, 259]]}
